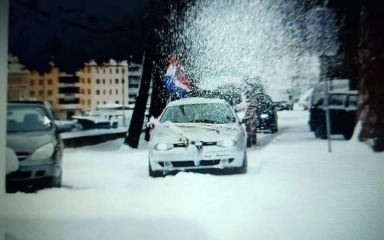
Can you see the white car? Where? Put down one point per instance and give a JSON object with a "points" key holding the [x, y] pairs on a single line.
{"points": [[194, 134]]}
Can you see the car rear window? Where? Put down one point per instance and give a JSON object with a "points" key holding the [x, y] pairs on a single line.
{"points": [[199, 113], [26, 119]]}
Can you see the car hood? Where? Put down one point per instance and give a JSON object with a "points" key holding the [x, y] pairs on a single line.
{"points": [[28, 142], [172, 132]]}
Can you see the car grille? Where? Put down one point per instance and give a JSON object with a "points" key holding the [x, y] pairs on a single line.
{"points": [[22, 156], [19, 174], [180, 164]]}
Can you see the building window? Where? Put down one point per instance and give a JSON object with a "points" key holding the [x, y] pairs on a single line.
{"points": [[117, 91], [89, 81], [97, 81], [82, 80], [97, 92], [97, 70], [82, 91], [82, 101], [110, 81], [49, 92], [41, 82], [117, 102], [41, 93], [32, 93], [123, 70], [103, 81], [50, 81], [32, 82], [110, 70], [110, 91], [122, 81], [88, 69], [89, 91], [104, 102], [104, 91], [97, 102], [117, 81], [117, 70], [104, 70], [89, 102]]}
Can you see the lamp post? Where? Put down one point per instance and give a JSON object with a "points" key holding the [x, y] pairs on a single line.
{"points": [[321, 21], [123, 80]]}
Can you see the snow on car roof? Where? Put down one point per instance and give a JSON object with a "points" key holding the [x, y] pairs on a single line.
{"points": [[195, 100]]}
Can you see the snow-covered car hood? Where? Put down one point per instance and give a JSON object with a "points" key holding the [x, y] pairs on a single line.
{"points": [[174, 132]]}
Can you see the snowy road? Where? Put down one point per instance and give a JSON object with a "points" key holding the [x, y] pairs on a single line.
{"points": [[294, 189]]}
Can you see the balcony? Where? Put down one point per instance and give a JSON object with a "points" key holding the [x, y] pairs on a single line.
{"points": [[68, 101], [69, 106], [69, 79], [68, 90]]}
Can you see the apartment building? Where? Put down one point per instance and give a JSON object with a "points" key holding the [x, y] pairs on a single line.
{"points": [[17, 80], [92, 85], [60, 89], [103, 84]]}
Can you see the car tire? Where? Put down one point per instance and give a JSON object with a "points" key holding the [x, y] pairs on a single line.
{"points": [[254, 137], [243, 168], [55, 182], [348, 135], [152, 173], [274, 129], [321, 132], [249, 142]]}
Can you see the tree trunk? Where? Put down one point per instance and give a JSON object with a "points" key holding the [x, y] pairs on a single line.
{"points": [[136, 125], [371, 59]]}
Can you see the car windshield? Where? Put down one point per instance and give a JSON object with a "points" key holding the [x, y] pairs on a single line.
{"points": [[26, 119], [199, 113]]}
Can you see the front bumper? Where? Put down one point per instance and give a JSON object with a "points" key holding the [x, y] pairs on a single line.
{"points": [[34, 173], [188, 158]]}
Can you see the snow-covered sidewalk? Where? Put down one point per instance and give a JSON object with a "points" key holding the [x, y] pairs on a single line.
{"points": [[294, 189]]}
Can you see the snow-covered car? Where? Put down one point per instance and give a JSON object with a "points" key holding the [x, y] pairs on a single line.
{"points": [[194, 134]]}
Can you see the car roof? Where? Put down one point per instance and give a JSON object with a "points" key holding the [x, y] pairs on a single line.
{"points": [[40, 104], [196, 100]]}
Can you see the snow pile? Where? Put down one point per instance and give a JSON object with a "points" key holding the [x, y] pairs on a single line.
{"points": [[294, 189]]}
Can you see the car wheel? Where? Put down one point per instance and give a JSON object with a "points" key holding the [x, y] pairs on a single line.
{"points": [[243, 168], [55, 182], [274, 129], [348, 135], [249, 142], [152, 173], [320, 132], [254, 137]]}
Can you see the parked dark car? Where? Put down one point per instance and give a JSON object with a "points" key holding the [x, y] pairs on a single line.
{"points": [[342, 107], [282, 105], [35, 139], [266, 120]]}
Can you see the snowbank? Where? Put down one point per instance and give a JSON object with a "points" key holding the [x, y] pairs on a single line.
{"points": [[294, 189]]}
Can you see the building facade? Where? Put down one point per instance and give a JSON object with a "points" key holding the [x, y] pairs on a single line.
{"points": [[103, 84], [93, 85]]}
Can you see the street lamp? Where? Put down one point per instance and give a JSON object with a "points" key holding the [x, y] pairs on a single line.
{"points": [[322, 39]]}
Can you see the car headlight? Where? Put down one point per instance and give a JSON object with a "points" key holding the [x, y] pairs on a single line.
{"points": [[264, 115], [43, 152], [163, 146], [227, 143]]}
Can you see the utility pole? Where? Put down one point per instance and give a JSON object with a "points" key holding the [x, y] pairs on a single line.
{"points": [[123, 80]]}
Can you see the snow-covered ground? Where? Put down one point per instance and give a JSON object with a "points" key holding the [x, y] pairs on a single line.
{"points": [[294, 189]]}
